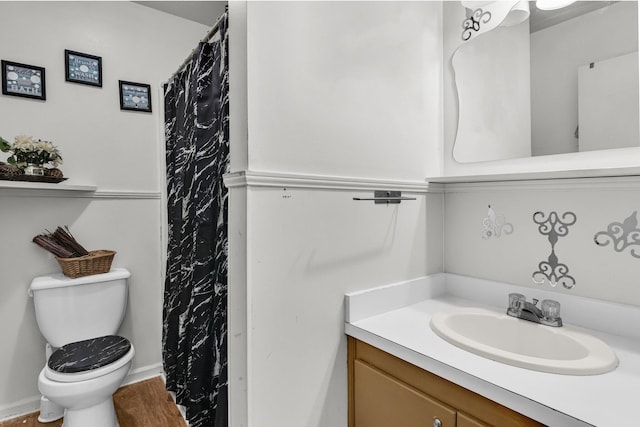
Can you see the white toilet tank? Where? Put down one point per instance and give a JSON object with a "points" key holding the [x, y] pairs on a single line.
{"points": [[69, 310]]}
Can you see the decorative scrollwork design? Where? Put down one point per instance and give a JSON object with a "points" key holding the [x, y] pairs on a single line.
{"points": [[472, 23], [553, 226], [552, 271], [622, 235], [495, 224]]}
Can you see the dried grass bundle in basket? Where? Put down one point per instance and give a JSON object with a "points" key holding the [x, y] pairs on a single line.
{"points": [[73, 258]]}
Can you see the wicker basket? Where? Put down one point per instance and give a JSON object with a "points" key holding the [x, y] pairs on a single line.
{"points": [[95, 263]]}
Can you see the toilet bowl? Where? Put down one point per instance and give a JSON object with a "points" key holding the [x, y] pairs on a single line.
{"points": [[86, 361], [82, 377]]}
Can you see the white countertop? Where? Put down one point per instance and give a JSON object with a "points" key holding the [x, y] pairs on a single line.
{"points": [[396, 320]]}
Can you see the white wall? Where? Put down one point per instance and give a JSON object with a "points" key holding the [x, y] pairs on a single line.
{"points": [[345, 89], [341, 98], [601, 85], [117, 151], [307, 251]]}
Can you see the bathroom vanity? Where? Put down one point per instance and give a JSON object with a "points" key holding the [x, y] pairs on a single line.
{"points": [[385, 390], [400, 369]]}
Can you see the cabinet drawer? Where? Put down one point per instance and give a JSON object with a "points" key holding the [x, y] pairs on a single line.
{"points": [[382, 401], [465, 420]]}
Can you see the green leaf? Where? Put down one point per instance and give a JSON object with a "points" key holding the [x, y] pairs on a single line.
{"points": [[4, 145]]}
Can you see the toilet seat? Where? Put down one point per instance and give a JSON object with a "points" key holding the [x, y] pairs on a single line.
{"points": [[84, 360]]}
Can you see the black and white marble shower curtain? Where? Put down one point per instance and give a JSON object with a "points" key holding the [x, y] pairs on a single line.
{"points": [[195, 297]]}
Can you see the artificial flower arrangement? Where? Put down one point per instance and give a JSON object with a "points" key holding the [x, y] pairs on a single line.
{"points": [[26, 150], [31, 155]]}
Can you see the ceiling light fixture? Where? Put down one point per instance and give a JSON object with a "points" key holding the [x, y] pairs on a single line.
{"points": [[553, 4], [518, 14]]}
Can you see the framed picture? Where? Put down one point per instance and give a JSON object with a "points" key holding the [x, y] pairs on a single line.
{"points": [[23, 80], [82, 68], [135, 96]]}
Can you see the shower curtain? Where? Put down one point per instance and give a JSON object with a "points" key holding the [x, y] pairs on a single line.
{"points": [[195, 296]]}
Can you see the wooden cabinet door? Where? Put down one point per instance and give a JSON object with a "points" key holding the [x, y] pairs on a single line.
{"points": [[465, 420], [382, 401]]}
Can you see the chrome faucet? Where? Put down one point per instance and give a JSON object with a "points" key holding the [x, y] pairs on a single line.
{"points": [[548, 314]]}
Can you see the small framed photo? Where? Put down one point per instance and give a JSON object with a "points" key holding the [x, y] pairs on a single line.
{"points": [[135, 96], [23, 80], [82, 68]]}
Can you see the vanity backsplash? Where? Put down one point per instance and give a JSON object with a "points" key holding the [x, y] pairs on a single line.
{"points": [[574, 235]]}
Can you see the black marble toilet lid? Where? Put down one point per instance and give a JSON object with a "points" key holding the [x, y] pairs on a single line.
{"points": [[89, 354]]}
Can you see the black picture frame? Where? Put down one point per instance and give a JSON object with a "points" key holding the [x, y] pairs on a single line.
{"points": [[82, 68], [26, 81], [135, 96]]}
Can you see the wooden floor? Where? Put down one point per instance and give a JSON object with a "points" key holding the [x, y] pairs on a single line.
{"points": [[143, 404]]}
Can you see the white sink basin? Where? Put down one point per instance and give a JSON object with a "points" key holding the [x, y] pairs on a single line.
{"points": [[525, 344]]}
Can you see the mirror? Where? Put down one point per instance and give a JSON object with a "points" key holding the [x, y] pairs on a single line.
{"points": [[563, 81]]}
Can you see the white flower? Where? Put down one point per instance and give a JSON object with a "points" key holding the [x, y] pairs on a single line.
{"points": [[46, 146], [24, 143]]}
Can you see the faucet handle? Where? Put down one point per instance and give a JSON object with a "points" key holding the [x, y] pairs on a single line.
{"points": [[516, 301], [550, 309]]}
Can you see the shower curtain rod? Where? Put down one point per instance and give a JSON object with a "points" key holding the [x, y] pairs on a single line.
{"points": [[206, 38]]}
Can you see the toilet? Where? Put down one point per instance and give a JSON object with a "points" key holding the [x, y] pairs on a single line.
{"points": [[86, 361]]}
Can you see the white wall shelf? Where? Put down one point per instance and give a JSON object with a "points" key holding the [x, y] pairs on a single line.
{"points": [[44, 189]]}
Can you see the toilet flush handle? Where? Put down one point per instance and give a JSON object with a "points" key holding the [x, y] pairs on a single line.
{"points": [[30, 292]]}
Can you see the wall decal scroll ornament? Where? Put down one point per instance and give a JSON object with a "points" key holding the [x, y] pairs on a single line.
{"points": [[622, 235], [494, 224], [471, 25], [491, 15], [552, 271]]}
